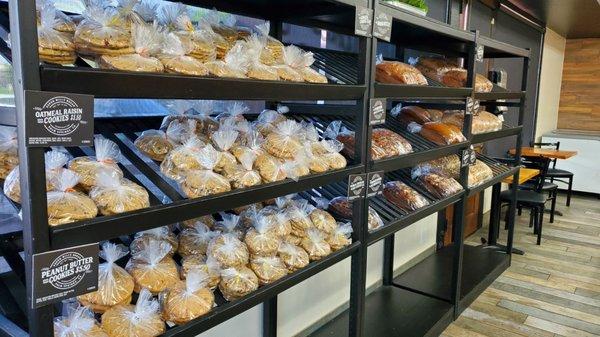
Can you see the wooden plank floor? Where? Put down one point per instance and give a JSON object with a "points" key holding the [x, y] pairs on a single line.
{"points": [[553, 290]]}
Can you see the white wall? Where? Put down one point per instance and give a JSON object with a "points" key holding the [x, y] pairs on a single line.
{"points": [[306, 303], [550, 83]]}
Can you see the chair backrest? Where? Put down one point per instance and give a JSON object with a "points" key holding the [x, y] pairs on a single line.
{"points": [[539, 163], [554, 146]]}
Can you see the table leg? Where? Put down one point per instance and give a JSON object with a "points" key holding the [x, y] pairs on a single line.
{"points": [[494, 228]]}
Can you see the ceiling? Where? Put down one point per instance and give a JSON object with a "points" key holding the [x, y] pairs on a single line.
{"points": [[570, 18]]}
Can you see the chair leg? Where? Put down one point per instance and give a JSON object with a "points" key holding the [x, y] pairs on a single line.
{"points": [[553, 194], [569, 191], [541, 224], [520, 210], [532, 216]]}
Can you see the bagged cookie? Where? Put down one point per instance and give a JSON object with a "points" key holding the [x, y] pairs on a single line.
{"points": [[292, 256], [182, 159], [195, 240], [328, 152], [208, 265], [270, 168], [298, 214], [202, 182], [9, 157], [164, 234], [89, 167], [237, 282], [155, 144], [146, 42], [315, 245], [250, 145], [139, 320], [228, 251], [262, 239], [53, 46], [127, 13], [175, 56], [62, 22], [65, 204], [337, 131], [233, 65], [230, 224], [288, 70], [77, 321], [243, 175], [301, 61], [297, 167], [273, 47], [285, 140], [183, 111], [223, 140], [258, 68], [267, 120], [114, 195], [207, 220], [187, 300], [340, 237], [101, 33], [374, 220], [321, 219], [53, 162], [268, 269], [153, 268], [115, 285]]}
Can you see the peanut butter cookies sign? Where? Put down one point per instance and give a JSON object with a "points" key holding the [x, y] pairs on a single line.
{"points": [[59, 119]]}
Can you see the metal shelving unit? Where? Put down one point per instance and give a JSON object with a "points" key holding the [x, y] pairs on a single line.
{"points": [[421, 301]]}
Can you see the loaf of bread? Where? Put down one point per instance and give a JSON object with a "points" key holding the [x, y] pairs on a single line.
{"points": [[386, 143], [403, 196], [448, 166], [439, 186], [482, 121], [398, 73], [411, 113], [447, 72], [479, 173], [442, 133]]}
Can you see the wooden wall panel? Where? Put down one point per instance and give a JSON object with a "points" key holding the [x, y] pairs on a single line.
{"points": [[580, 93]]}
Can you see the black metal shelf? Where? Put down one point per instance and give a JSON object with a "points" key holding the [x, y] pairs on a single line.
{"points": [[230, 309], [395, 312], [382, 90], [506, 131], [499, 94], [433, 276], [497, 49]]}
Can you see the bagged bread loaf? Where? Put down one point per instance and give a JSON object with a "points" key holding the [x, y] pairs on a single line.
{"points": [[228, 251], [115, 285], [411, 113], [155, 144], [482, 121], [153, 268], [202, 182], [301, 61], [268, 269], [340, 237], [102, 33], [9, 157], [479, 173], [403, 196], [448, 72], [195, 240], [77, 321], [341, 207], [262, 238], [386, 143], [163, 234], [187, 300], [374, 220], [230, 224], [182, 159], [208, 265], [53, 46], [114, 195], [223, 140], [237, 282], [448, 166], [65, 204], [398, 73], [292, 256], [315, 245], [139, 320], [439, 186], [285, 140], [53, 162], [438, 132], [174, 56], [88, 168]]}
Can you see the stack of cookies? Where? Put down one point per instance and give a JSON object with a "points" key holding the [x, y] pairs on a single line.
{"points": [[53, 46], [101, 33]]}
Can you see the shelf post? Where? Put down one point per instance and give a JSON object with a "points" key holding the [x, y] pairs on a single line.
{"points": [[23, 31], [270, 317]]}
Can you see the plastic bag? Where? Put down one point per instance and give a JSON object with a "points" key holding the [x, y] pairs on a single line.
{"points": [[340, 237], [328, 152], [336, 130], [395, 72], [62, 22], [403, 196], [88, 168], [315, 245], [285, 141], [208, 220], [208, 265], [298, 166], [262, 238], [293, 256], [301, 62], [77, 321], [274, 47], [267, 120], [189, 299], [223, 141], [374, 220], [53, 162], [147, 43], [228, 250], [386, 143], [182, 111], [146, 9], [101, 33], [260, 68], [153, 268], [270, 168], [202, 182], [154, 144], [479, 173], [194, 241], [438, 132], [9, 157], [268, 269], [139, 320], [65, 204], [322, 220], [299, 216], [114, 195], [175, 56], [244, 175], [482, 121], [233, 65], [439, 186], [115, 285], [410, 114], [164, 234], [230, 224], [448, 165], [128, 14], [182, 159], [237, 282], [250, 145], [53, 46]]}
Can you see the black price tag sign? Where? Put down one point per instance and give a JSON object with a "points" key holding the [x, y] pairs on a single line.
{"points": [[377, 111], [468, 157], [363, 21], [470, 106], [356, 186], [382, 26], [375, 180], [64, 273], [479, 50], [58, 119]]}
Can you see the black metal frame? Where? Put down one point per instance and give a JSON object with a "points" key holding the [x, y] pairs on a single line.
{"points": [[359, 86]]}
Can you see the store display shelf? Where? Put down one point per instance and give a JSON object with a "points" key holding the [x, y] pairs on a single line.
{"points": [[499, 170], [499, 94], [433, 276], [498, 49], [395, 312], [506, 131], [383, 90], [106, 227], [228, 310]]}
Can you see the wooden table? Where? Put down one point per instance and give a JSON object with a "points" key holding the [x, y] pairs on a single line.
{"points": [[548, 153], [524, 175]]}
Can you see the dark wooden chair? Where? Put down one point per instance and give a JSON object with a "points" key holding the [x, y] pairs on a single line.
{"points": [[559, 175]]}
